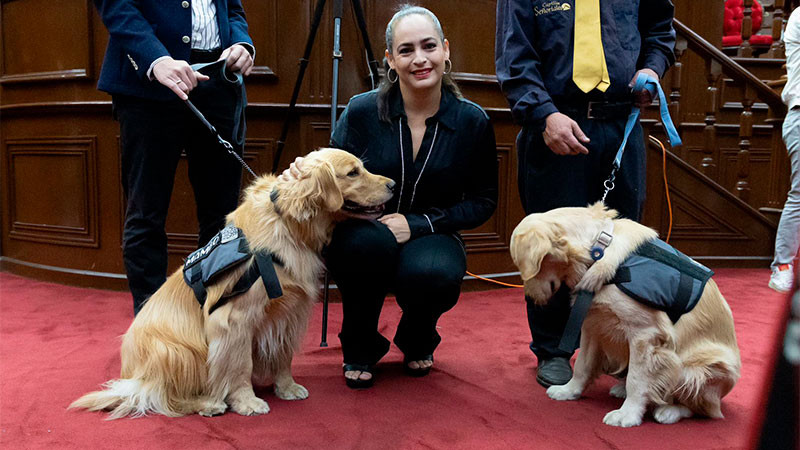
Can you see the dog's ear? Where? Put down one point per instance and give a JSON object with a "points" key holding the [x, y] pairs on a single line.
{"points": [[315, 190], [329, 191], [528, 249]]}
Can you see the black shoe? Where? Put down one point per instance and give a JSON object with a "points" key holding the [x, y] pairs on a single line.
{"points": [[554, 371], [358, 383], [418, 372]]}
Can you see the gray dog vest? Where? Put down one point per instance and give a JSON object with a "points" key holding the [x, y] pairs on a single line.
{"points": [[660, 276], [225, 251]]}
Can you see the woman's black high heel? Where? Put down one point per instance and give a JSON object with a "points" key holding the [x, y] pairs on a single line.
{"points": [[358, 383]]}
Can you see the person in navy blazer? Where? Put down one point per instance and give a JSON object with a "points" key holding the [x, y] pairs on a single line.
{"points": [[147, 71]]}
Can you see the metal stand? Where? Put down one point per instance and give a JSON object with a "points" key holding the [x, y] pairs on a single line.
{"points": [[337, 56]]}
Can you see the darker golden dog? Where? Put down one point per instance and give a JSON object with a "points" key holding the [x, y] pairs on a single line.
{"points": [[679, 369], [178, 359]]}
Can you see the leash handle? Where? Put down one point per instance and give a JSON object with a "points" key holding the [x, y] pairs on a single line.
{"points": [[646, 82]]}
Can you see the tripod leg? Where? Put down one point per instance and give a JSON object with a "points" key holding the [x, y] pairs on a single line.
{"points": [[337, 56], [296, 93], [362, 25], [325, 292]]}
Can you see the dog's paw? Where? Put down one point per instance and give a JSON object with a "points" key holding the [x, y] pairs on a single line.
{"points": [[563, 393], [618, 390], [623, 418], [596, 277], [250, 406], [293, 392], [671, 413], [209, 408]]}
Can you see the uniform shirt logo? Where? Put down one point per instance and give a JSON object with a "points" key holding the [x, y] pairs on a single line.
{"points": [[551, 7]]}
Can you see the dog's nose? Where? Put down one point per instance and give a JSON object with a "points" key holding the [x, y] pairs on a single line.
{"points": [[390, 185]]}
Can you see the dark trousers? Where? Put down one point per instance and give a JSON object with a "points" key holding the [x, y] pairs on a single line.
{"points": [[548, 181], [425, 274], [152, 137]]}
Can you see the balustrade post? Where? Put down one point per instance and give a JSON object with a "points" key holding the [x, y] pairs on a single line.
{"points": [[746, 50], [675, 78], [776, 50], [708, 164], [745, 134]]}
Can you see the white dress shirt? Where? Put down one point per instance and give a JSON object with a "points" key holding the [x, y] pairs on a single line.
{"points": [[205, 32]]}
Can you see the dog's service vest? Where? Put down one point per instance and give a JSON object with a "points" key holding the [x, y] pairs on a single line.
{"points": [[225, 251], [660, 276], [657, 275]]}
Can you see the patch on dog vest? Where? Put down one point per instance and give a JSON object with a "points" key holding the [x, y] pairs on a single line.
{"points": [[660, 276], [226, 250]]}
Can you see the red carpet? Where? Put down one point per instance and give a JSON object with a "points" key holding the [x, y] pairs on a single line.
{"points": [[57, 343]]}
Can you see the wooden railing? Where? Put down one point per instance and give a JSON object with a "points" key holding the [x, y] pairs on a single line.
{"points": [[719, 66], [775, 10]]}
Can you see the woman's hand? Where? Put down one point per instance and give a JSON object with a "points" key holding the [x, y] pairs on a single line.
{"points": [[398, 225], [178, 76], [238, 59], [294, 170]]}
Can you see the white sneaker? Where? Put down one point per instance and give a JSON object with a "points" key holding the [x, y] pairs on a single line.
{"points": [[782, 278]]}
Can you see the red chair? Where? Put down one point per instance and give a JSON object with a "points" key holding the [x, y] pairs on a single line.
{"points": [[732, 26]]}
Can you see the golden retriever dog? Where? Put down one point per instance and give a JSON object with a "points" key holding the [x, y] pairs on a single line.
{"points": [[178, 359], [676, 369]]}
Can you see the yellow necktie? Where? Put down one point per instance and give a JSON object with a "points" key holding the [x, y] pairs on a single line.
{"points": [[589, 69]]}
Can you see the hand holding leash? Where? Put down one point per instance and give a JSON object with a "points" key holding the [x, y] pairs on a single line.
{"points": [[238, 59], [178, 76], [643, 97]]}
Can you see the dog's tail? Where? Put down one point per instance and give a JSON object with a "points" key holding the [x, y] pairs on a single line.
{"points": [[126, 397], [709, 373]]}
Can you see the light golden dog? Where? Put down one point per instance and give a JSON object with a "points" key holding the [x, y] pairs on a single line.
{"points": [[177, 359], [678, 369]]}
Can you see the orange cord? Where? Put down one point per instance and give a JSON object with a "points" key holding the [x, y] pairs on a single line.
{"points": [[666, 186], [669, 209], [494, 281]]}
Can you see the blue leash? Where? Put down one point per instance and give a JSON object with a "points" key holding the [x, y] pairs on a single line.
{"points": [[643, 81]]}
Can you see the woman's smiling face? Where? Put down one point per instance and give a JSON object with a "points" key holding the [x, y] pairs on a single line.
{"points": [[418, 54]]}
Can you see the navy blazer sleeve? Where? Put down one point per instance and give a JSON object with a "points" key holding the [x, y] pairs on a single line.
{"points": [[658, 35], [126, 23], [238, 24], [517, 64]]}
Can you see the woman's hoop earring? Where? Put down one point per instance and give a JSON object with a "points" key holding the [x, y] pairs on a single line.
{"points": [[389, 75], [448, 68]]}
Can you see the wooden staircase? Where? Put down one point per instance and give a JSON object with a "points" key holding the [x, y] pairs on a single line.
{"points": [[728, 181]]}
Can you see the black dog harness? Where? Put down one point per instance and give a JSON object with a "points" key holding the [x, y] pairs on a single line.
{"points": [[656, 275], [225, 251]]}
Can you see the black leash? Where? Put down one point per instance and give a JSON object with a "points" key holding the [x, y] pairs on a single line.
{"points": [[227, 145], [217, 68]]}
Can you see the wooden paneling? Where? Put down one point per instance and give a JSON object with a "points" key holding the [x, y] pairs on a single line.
{"points": [[52, 192], [37, 40]]}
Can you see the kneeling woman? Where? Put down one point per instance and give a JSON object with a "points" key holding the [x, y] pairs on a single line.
{"points": [[439, 148]]}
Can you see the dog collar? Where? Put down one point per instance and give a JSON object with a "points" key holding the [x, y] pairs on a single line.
{"points": [[273, 196], [603, 240]]}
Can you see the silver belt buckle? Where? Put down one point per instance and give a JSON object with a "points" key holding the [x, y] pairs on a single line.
{"points": [[589, 107]]}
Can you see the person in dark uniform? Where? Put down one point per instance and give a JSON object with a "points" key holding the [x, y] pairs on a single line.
{"points": [[147, 72], [440, 149], [566, 68]]}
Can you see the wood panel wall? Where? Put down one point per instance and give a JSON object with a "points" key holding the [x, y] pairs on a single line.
{"points": [[62, 203]]}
